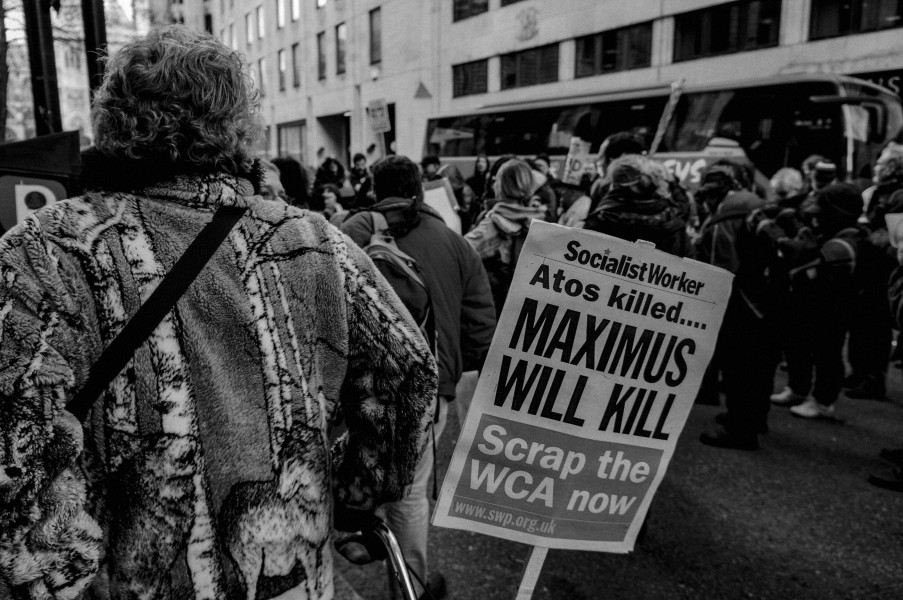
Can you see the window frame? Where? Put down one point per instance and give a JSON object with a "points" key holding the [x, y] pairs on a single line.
{"points": [[322, 66], [460, 11], [521, 56], [341, 48], [296, 65], [466, 70], [280, 14], [598, 41], [282, 66], [376, 41], [703, 30], [261, 24]]}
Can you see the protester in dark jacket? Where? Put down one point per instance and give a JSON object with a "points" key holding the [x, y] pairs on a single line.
{"points": [[823, 285], [744, 353], [465, 319], [871, 332], [331, 172], [477, 181], [294, 180], [636, 207]]}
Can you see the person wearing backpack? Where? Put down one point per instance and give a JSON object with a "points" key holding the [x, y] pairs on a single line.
{"points": [[461, 303], [743, 352]]}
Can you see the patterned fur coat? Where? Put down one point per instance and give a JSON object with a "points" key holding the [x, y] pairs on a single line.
{"points": [[206, 471]]}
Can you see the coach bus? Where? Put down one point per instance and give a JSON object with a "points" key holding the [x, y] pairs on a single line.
{"points": [[773, 122]]}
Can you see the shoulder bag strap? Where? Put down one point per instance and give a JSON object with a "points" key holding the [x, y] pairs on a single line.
{"points": [[114, 358]]}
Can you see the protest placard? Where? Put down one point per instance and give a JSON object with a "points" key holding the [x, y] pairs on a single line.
{"points": [[593, 369], [440, 196], [578, 161]]}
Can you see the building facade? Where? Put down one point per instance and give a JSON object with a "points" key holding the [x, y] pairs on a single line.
{"points": [[322, 65]]}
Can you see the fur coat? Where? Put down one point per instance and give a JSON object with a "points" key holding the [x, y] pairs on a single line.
{"points": [[206, 470]]}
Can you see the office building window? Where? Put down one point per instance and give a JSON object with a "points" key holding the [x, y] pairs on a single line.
{"points": [[262, 76], [296, 65], [283, 69], [224, 36], [469, 8], [470, 78], [280, 14], [376, 36], [260, 24], [530, 67], [831, 18], [291, 138], [233, 41], [208, 23], [321, 55], [507, 2], [296, 9], [341, 36], [615, 50], [249, 27], [727, 28]]}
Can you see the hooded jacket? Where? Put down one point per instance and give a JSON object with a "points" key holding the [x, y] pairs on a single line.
{"points": [[627, 215], [206, 469], [498, 238]]}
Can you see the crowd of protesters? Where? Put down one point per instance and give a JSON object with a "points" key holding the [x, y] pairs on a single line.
{"points": [[216, 450], [812, 257]]}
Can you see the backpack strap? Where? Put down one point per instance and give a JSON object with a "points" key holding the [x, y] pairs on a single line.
{"points": [[115, 356]]}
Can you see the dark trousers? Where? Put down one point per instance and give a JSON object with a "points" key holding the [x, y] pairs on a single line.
{"points": [[814, 349], [815, 358], [748, 347], [871, 335]]}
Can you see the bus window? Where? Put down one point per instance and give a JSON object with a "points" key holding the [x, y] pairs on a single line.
{"points": [[456, 136]]}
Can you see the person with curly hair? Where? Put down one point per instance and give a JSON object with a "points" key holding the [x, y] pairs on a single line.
{"points": [[205, 470]]}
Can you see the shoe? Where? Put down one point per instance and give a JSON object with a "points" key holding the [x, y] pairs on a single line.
{"points": [[812, 409], [787, 398], [720, 438], [721, 419], [892, 480], [866, 391], [435, 587], [892, 455]]}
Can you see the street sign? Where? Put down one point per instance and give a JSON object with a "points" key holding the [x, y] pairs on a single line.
{"points": [[379, 116]]}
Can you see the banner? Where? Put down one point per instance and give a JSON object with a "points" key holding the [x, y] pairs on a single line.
{"points": [[593, 369], [677, 89]]}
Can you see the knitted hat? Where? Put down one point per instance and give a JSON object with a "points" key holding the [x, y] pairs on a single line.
{"points": [[841, 201]]}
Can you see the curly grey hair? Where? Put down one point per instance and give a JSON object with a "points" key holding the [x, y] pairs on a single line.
{"points": [[177, 96]]}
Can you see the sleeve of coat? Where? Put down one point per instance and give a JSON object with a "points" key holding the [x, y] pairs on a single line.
{"points": [[477, 312], [388, 391], [49, 546]]}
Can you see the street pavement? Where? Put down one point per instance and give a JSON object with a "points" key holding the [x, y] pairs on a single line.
{"points": [[793, 520]]}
